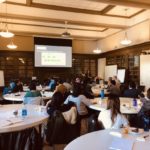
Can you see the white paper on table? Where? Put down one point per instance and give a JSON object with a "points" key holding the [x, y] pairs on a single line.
{"points": [[4, 123], [10, 121], [121, 144], [15, 120]]}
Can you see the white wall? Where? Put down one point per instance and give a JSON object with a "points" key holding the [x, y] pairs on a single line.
{"points": [[110, 71], [2, 78], [101, 67], [145, 70]]}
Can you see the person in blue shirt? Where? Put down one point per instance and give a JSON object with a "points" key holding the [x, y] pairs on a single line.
{"points": [[33, 93], [9, 89]]}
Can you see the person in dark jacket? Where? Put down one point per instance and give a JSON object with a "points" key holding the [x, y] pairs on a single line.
{"points": [[18, 86], [132, 91]]}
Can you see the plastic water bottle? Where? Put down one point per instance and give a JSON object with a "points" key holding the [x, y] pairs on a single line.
{"points": [[134, 102], [146, 122], [102, 94], [24, 112]]}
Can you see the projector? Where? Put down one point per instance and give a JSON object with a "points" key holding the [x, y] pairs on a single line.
{"points": [[66, 34]]}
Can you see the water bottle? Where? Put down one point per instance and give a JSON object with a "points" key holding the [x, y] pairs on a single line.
{"points": [[24, 112], [146, 121], [102, 94], [134, 102]]}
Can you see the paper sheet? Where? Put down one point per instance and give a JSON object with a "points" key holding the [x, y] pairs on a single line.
{"points": [[121, 144]]}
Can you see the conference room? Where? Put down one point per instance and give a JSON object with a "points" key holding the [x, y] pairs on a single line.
{"points": [[67, 65]]}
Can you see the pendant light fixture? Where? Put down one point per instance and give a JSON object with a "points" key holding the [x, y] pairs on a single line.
{"points": [[11, 45], [126, 40], [66, 33], [5, 33], [97, 50]]}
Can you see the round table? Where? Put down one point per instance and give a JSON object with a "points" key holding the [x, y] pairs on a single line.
{"points": [[36, 115], [126, 106], [96, 90], [18, 97], [103, 140]]}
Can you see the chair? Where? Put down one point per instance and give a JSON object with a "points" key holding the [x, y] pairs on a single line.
{"points": [[33, 100], [58, 131], [141, 89]]}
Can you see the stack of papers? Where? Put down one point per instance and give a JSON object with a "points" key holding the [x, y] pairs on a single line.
{"points": [[121, 144]]}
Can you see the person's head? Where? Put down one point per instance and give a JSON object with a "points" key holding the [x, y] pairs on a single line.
{"points": [[57, 100], [18, 82], [132, 85], [114, 78], [77, 88], [113, 82], [61, 88], [148, 93], [12, 84], [32, 86], [113, 104], [78, 80], [109, 80]]}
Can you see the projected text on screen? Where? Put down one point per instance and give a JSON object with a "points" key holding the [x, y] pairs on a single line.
{"points": [[53, 58]]}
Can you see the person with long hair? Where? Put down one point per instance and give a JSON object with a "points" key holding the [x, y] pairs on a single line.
{"points": [[80, 100], [112, 117]]}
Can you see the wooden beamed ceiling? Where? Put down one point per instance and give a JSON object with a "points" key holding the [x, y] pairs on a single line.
{"points": [[74, 24], [76, 10], [128, 3]]}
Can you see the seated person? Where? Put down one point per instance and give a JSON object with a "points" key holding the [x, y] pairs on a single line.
{"points": [[145, 109], [9, 89], [117, 81], [69, 111], [112, 88], [68, 85], [132, 91], [79, 99], [112, 117], [55, 103], [145, 102], [18, 86], [33, 93], [62, 89], [52, 84]]}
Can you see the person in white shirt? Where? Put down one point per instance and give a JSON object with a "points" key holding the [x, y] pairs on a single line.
{"points": [[112, 117], [79, 99]]}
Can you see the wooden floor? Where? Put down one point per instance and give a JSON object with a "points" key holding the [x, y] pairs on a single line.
{"points": [[62, 146], [56, 147]]}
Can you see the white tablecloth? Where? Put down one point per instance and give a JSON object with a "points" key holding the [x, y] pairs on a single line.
{"points": [[126, 105], [9, 122], [102, 140]]}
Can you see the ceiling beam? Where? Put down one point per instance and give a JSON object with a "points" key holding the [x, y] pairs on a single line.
{"points": [[61, 21], [75, 10], [107, 9], [58, 27], [128, 3], [40, 34], [28, 2]]}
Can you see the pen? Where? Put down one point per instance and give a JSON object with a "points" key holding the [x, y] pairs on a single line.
{"points": [[145, 136]]}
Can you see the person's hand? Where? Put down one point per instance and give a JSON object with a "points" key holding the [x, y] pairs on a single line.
{"points": [[47, 104]]}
